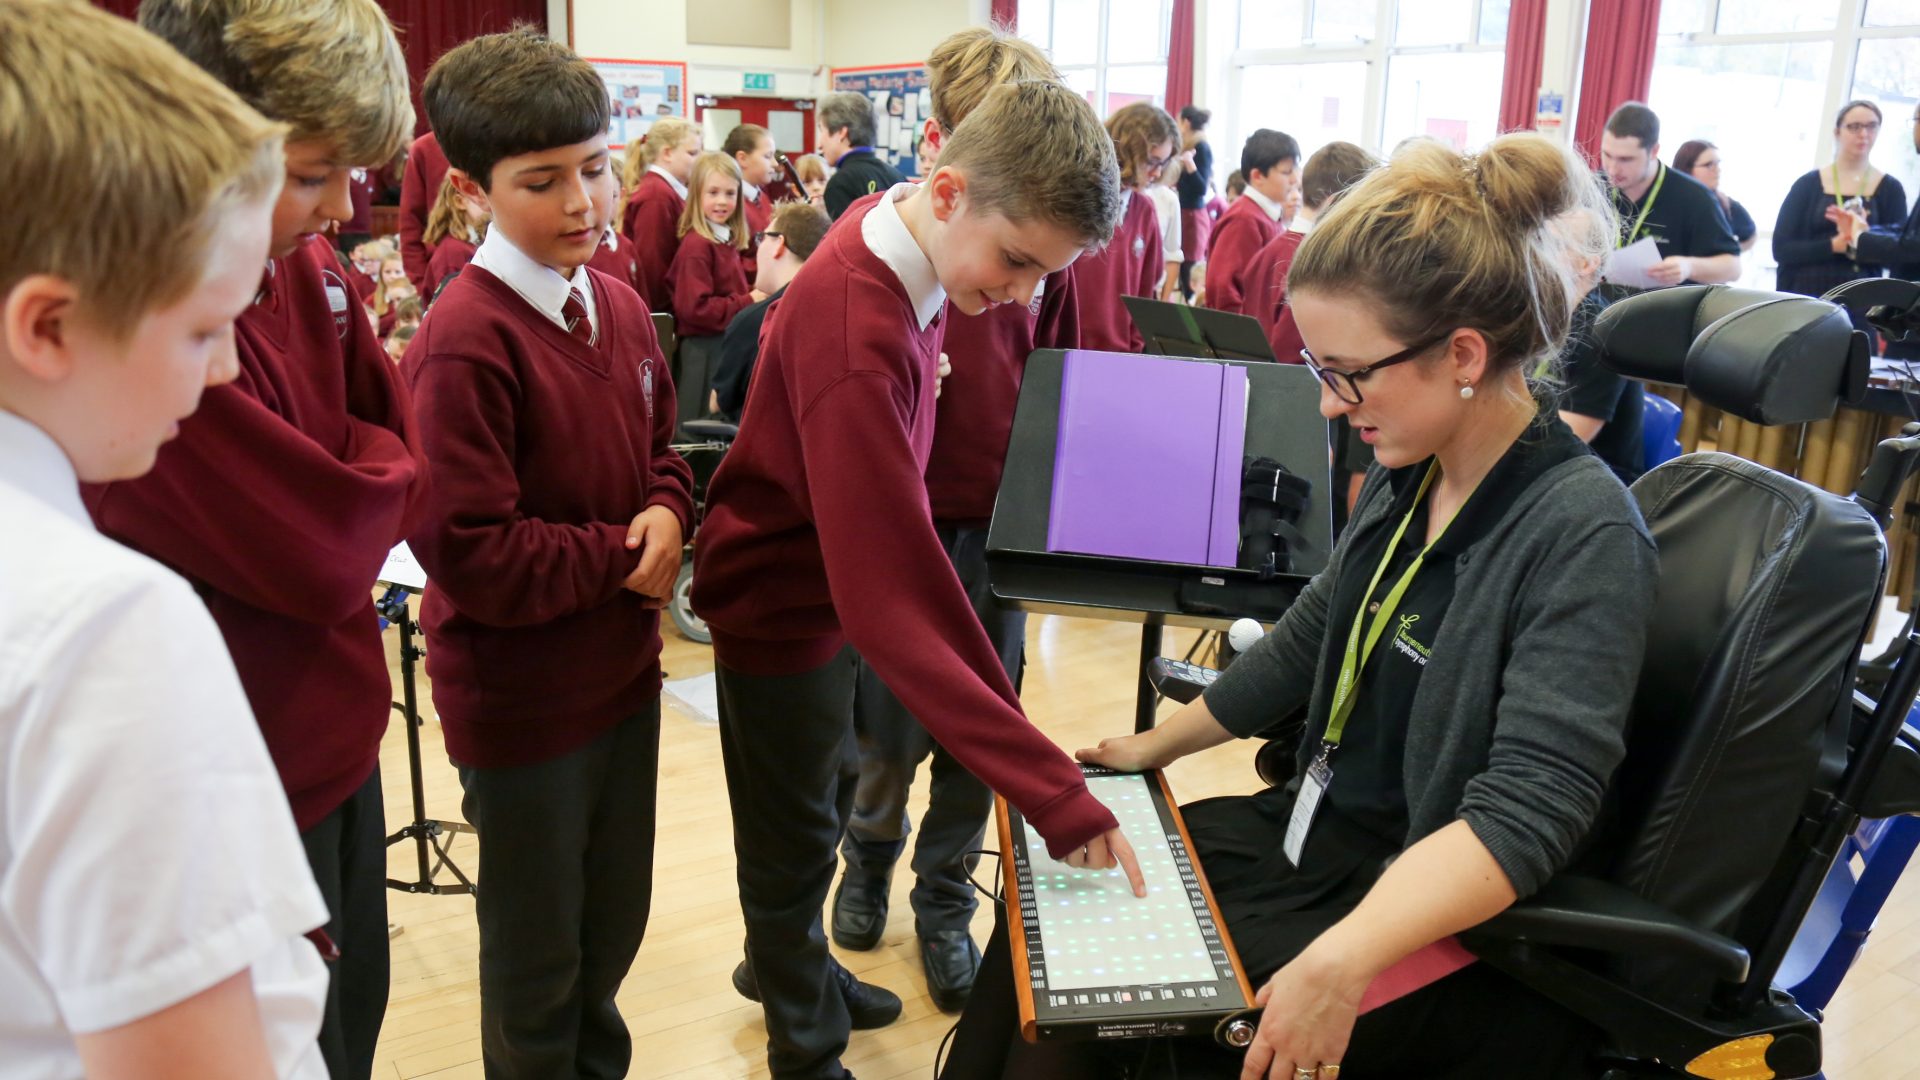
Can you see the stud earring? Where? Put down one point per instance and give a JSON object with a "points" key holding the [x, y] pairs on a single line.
{"points": [[1466, 391]]}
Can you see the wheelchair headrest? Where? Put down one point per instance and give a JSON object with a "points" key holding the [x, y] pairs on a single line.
{"points": [[1772, 358]]}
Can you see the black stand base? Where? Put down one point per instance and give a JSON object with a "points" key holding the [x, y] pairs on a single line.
{"points": [[425, 832]]}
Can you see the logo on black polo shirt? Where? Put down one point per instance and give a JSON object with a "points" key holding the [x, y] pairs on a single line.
{"points": [[1405, 642]]}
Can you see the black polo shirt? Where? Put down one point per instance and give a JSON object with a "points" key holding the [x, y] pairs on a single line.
{"points": [[1684, 219], [1369, 785], [1593, 391], [858, 174]]}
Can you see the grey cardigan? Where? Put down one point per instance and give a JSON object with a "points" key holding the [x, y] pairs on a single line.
{"points": [[1520, 718]]}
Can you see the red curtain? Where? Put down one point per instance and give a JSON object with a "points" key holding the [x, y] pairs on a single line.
{"points": [[1526, 39], [1180, 58], [428, 28], [1006, 14], [1618, 66]]}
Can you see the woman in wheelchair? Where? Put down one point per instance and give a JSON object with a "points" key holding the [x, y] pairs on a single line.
{"points": [[1466, 662]]}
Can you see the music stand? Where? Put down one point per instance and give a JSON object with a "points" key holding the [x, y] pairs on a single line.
{"points": [[402, 575], [1183, 330], [1283, 423]]}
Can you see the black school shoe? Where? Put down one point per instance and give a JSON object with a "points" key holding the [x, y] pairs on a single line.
{"points": [[868, 1006], [860, 907], [950, 960]]}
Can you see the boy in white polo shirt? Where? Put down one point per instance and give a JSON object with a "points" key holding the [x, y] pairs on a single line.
{"points": [[153, 896]]}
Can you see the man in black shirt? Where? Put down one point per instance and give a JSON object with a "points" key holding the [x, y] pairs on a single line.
{"points": [[1194, 188], [843, 134], [1678, 212]]}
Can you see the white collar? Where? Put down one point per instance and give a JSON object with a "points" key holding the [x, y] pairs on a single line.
{"points": [[1303, 221], [1267, 206], [538, 285], [887, 237], [722, 231], [611, 238], [679, 188], [31, 461], [750, 192]]}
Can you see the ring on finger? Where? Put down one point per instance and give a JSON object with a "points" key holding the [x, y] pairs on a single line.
{"points": [[1329, 1072], [1301, 1072]]}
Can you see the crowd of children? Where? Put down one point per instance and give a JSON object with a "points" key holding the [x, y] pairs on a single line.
{"points": [[489, 386]]}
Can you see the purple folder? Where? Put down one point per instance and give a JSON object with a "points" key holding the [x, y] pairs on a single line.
{"points": [[1148, 459]]}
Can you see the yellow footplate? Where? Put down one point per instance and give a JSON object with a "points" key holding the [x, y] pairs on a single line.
{"points": [[1741, 1059]]}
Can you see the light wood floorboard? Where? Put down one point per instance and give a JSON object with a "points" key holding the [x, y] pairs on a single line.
{"points": [[686, 1020]]}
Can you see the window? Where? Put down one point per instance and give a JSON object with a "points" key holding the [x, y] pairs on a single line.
{"points": [[1763, 80], [1373, 72], [1113, 51]]}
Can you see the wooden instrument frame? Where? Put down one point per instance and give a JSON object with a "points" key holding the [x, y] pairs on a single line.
{"points": [[1016, 925]]}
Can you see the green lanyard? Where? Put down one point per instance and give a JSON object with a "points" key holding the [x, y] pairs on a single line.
{"points": [[1346, 690], [1839, 200], [1640, 222]]}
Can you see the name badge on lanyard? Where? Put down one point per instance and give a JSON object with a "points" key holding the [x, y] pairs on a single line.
{"points": [[1319, 774]]}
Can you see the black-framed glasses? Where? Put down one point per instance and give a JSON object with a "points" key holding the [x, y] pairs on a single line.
{"points": [[1158, 162], [1346, 384], [1862, 127], [759, 236]]}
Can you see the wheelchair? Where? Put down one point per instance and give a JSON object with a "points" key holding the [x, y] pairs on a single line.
{"points": [[1715, 885], [709, 440]]}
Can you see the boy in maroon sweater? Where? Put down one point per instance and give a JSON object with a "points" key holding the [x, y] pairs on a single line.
{"points": [[426, 168], [552, 540], [1144, 138], [1270, 161], [1331, 170], [283, 494], [972, 424], [818, 541]]}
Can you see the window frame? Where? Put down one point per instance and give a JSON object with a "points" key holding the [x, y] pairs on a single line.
{"points": [[1378, 55], [1101, 65]]}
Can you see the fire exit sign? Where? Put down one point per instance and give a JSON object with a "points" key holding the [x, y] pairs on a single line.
{"points": [[756, 80]]}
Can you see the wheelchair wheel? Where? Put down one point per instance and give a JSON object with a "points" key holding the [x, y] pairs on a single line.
{"points": [[691, 626]]}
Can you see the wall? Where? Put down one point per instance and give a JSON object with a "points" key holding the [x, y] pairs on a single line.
{"points": [[865, 32], [657, 30]]}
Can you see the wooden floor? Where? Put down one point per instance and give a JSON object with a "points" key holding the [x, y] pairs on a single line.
{"points": [[688, 1022]]}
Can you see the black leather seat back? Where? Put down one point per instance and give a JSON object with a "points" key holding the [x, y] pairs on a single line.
{"points": [[1767, 586]]}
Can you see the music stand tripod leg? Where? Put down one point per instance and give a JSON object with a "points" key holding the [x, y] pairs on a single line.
{"points": [[1146, 699], [425, 832]]}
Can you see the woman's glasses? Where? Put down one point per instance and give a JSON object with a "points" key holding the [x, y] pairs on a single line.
{"points": [[1346, 384], [1861, 127]]}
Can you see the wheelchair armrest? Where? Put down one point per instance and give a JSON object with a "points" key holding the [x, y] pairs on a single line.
{"points": [[711, 430], [1587, 913], [1895, 789]]}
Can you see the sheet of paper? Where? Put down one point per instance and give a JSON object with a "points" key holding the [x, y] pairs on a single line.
{"points": [[402, 570], [698, 697], [1629, 265]]}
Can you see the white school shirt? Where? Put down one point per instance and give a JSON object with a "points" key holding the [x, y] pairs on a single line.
{"points": [[147, 852], [1166, 203], [887, 237], [537, 284]]}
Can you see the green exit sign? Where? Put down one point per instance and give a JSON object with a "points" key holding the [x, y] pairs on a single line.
{"points": [[759, 81]]}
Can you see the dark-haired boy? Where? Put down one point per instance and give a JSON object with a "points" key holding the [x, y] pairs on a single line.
{"points": [[1270, 162], [553, 538], [818, 541], [284, 493]]}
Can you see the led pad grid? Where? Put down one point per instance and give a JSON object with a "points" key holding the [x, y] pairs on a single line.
{"points": [[1094, 930], [1102, 962]]}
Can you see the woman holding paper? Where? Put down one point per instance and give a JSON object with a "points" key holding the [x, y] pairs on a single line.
{"points": [[1807, 242], [1459, 676]]}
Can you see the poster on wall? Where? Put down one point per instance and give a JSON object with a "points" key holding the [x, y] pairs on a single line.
{"points": [[640, 91], [901, 106]]}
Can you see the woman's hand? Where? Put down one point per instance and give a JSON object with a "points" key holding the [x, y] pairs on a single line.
{"points": [[1128, 753], [1838, 243], [1310, 1006]]}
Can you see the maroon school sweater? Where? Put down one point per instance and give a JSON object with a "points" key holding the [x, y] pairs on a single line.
{"points": [[1243, 230], [450, 256], [426, 168], [279, 501], [652, 225], [817, 532], [542, 450], [975, 416], [1131, 265], [621, 265], [1266, 295], [709, 287]]}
